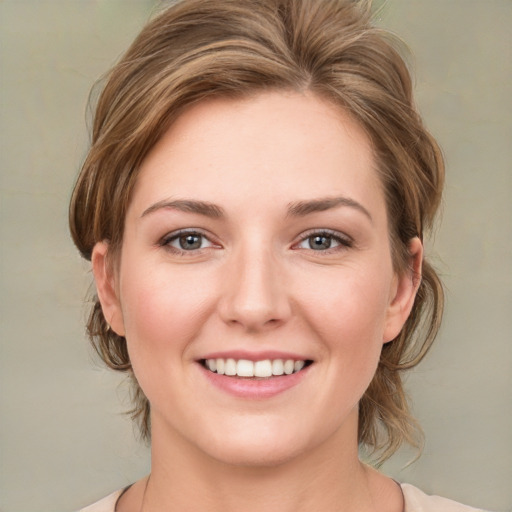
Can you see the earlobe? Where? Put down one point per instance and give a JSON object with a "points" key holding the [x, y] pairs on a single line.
{"points": [[404, 292], [106, 289]]}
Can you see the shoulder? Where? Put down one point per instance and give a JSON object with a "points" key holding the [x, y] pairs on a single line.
{"points": [[107, 504], [415, 501], [418, 501]]}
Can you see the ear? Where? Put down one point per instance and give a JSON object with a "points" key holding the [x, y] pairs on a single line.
{"points": [[106, 288], [404, 291]]}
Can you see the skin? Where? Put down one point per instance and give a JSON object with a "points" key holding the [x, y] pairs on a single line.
{"points": [[255, 283]]}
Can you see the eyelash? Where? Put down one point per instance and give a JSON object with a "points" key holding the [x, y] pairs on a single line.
{"points": [[165, 242], [343, 241]]}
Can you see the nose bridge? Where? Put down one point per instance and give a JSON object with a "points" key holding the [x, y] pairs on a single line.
{"points": [[254, 296]]}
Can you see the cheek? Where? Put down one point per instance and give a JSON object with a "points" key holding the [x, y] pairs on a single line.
{"points": [[349, 323], [162, 312], [348, 305]]}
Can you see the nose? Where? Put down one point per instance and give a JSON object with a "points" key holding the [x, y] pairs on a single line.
{"points": [[255, 295]]}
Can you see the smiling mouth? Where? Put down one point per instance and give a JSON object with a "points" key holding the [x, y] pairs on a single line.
{"points": [[243, 368]]}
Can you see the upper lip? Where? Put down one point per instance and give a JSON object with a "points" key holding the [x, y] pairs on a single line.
{"points": [[255, 356]]}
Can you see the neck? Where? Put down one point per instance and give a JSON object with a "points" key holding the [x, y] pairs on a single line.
{"points": [[328, 477]]}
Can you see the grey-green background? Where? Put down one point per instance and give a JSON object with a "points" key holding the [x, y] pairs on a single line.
{"points": [[64, 441]]}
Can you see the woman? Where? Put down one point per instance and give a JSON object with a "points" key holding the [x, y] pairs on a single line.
{"points": [[253, 205]]}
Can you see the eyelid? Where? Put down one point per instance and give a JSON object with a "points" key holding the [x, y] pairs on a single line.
{"points": [[344, 240], [173, 235]]}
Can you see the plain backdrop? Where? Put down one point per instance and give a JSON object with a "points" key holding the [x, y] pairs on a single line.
{"points": [[64, 441]]}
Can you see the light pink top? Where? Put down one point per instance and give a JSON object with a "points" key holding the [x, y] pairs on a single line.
{"points": [[415, 501]]}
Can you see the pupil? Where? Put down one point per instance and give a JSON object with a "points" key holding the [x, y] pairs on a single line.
{"points": [[189, 242], [319, 242]]}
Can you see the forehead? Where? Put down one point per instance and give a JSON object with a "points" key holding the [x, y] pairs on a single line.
{"points": [[262, 151]]}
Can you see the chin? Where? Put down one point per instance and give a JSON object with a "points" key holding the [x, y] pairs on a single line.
{"points": [[261, 447], [255, 456]]}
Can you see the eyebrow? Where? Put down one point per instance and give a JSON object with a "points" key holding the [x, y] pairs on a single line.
{"points": [[302, 208], [295, 209], [187, 205]]}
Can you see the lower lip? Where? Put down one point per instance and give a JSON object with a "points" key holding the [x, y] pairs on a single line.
{"points": [[256, 389]]}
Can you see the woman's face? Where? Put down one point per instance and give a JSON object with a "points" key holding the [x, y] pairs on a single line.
{"points": [[257, 235]]}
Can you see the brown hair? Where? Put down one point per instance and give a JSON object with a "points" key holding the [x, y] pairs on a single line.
{"points": [[195, 50]]}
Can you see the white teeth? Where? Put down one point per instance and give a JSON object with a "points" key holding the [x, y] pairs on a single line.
{"points": [[277, 367], [230, 367], [246, 368], [263, 368], [298, 365], [288, 366]]}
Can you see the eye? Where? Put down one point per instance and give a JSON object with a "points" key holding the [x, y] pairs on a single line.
{"points": [[186, 241], [320, 242], [324, 241]]}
